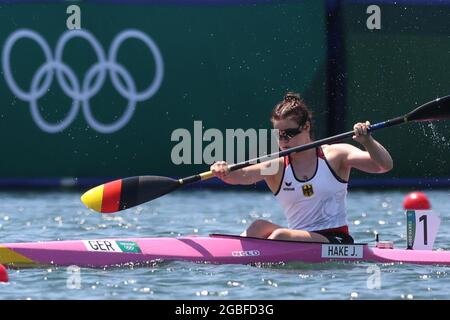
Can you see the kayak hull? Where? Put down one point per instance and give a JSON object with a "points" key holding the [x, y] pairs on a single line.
{"points": [[217, 249]]}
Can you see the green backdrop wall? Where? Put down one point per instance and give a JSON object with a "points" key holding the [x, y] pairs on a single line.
{"points": [[395, 69], [225, 65]]}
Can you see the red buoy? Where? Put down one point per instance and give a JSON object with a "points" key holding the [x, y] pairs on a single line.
{"points": [[3, 274], [416, 201]]}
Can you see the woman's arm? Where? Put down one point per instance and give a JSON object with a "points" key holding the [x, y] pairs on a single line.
{"points": [[375, 158], [249, 175]]}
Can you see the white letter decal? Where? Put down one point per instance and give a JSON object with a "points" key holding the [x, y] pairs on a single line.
{"points": [[74, 20], [374, 20]]}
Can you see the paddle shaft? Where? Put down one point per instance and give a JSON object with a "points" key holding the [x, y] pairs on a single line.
{"points": [[208, 174], [129, 192]]}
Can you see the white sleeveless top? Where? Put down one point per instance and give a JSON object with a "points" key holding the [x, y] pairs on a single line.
{"points": [[317, 203]]}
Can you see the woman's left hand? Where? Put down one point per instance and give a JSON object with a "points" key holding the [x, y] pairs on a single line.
{"points": [[361, 131]]}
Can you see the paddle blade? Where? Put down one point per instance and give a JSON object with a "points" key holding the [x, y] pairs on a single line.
{"points": [[126, 193], [438, 109]]}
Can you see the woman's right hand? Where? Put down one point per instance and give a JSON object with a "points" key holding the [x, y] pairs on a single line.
{"points": [[220, 169]]}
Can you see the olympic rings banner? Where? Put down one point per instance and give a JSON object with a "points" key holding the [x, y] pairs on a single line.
{"points": [[102, 100], [81, 93]]}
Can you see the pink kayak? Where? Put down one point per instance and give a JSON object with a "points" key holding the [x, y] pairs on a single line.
{"points": [[217, 249]]}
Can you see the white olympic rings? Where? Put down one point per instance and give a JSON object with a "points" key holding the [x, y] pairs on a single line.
{"points": [[81, 93]]}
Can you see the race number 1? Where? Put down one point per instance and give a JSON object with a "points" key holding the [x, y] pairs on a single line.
{"points": [[421, 229]]}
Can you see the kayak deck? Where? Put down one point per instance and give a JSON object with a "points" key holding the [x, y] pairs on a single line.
{"points": [[217, 249]]}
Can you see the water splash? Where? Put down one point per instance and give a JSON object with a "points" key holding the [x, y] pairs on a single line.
{"points": [[436, 133]]}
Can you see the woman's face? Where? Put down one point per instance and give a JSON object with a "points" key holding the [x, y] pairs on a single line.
{"points": [[290, 134]]}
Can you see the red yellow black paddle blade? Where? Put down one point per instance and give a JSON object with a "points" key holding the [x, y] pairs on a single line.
{"points": [[126, 193]]}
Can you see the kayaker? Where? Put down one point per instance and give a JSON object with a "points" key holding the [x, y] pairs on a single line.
{"points": [[310, 185]]}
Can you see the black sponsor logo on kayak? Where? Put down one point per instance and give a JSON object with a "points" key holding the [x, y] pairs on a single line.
{"points": [[246, 253]]}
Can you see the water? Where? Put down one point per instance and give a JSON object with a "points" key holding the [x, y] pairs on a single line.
{"points": [[32, 216]]}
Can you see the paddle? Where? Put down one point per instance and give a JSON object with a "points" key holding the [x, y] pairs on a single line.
{"points": [[129, 192]]}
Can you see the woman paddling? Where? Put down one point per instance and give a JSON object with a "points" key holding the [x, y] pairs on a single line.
{"points": [[310, 185]]}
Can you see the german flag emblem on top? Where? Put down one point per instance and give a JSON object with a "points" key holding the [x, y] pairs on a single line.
{"points": [[307, 190]]}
